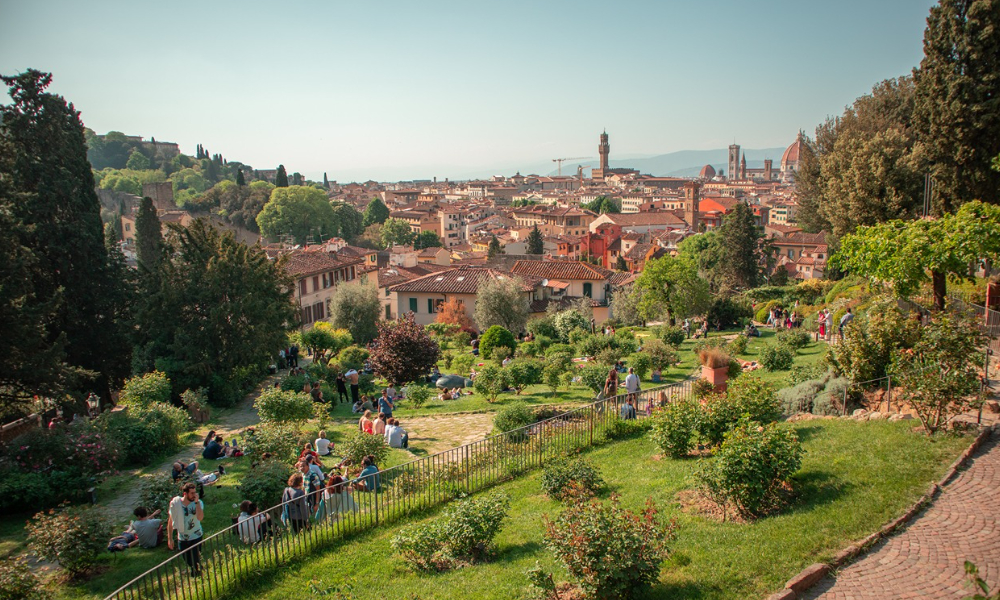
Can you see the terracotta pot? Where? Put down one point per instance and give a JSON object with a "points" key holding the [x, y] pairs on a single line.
{"points": [[717, 376]]}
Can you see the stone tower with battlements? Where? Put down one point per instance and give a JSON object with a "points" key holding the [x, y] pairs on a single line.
{"points": [[692, 196], [604, 149]]}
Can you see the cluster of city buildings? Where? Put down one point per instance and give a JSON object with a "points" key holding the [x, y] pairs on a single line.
{"points": [[584, 254]]}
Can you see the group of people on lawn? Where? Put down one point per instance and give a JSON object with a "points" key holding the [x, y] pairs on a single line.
{"points": [[311, 493]]}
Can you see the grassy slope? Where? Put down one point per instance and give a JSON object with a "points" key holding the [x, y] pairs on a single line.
{"points": [[855, 476]]}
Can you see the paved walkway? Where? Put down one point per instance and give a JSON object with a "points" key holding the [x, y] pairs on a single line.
{"points": [[926, 560]]}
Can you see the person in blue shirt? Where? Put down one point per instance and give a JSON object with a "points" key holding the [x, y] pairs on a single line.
{"points": [[369, 479], [385, 404], [214, 450]]}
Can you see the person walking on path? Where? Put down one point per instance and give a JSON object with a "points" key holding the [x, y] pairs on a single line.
{"points": [[632, 384], [185, 514]]}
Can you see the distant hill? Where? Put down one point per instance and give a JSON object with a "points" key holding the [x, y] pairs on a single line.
{"points": [[684, 163]]}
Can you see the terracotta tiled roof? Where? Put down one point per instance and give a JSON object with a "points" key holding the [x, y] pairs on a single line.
{"points": [[559, 269], [301, 263], [638, 252], [396, 275], [801, 237], [463, 280], [645, 219], [620, 278]]}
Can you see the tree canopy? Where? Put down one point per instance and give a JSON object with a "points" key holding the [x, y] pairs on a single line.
{"points": [[375, 212], [603, 205], [49, 201], [501, 302], [396, 232], [672, 288], [357, 309], [403, 352], [427, 239], [905, 254], [298, 211], [956, 111]]}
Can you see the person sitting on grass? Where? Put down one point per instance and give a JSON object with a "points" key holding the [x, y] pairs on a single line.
{"points": [[307, 451], [378, 427], [315, 467], [337, 498], [323, 445], [147, 528], [214, 450], [396, 436], [181, 469], [368, 480], [252, 525], [365, 422]]}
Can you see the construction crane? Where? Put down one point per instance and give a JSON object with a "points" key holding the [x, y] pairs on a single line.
{"points": [[559, 161]]}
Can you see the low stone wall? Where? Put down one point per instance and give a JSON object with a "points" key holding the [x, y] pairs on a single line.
{"points": [[16, 428], [796, 587]]}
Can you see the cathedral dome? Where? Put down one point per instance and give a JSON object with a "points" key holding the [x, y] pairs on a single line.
{"points": [[707, 172], [792, 154]]}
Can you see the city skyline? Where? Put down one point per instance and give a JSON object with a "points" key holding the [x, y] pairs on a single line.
{"points": [[446, 90]]}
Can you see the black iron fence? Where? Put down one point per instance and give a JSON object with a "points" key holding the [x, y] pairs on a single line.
{"points": [[220, 563]]}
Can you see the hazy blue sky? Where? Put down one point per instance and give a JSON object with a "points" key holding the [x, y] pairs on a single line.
{"points": [[393, 90]]}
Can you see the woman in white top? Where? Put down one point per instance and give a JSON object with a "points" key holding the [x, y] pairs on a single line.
{"points": [[337, 499], [323, 445]]}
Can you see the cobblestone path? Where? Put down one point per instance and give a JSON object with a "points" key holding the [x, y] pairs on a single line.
{"points": [[926, 560]]}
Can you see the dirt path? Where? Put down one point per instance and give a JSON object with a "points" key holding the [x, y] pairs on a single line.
{"points": [[433, 434]]}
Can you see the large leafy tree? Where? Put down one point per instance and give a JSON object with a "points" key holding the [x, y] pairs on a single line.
{"points": [[957, 109], [860, 170], [403, 351], [349, 220], [375, 212], [536, 245], [501, 302], [905, 254], [427, 239], [603, 205], [298, 211], [50, 200], [396, 232], [672, 288], [218, 313], [356, 308]]}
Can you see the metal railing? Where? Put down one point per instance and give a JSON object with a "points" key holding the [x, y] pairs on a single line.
{"points": [[218, 564]]}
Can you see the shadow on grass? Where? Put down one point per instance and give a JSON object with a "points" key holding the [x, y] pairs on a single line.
{"points": [[808, 432], [679, 591], [816, 488], [517, 551]]}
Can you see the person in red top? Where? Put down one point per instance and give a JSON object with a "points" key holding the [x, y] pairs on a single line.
{"points": [[308, 451]]}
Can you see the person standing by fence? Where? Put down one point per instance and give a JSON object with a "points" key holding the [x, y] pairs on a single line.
{"points": [[185, 514]]}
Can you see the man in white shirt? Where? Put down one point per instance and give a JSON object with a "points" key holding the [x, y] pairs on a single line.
{"points": [[632, 382]]}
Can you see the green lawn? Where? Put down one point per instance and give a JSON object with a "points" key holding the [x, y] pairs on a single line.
{"points": [[854, 477]]}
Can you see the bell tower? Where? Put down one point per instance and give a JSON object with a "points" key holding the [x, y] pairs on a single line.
{"points": [[734, 161], [692, 193], [604, 149]]}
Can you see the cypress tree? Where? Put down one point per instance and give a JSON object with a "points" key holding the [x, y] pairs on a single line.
{"points": [[60, 222], [957, 110], [148, 237], [740, 240], [536, 245], [281, 179], [240, 180], [494, 247], [326, 182]]}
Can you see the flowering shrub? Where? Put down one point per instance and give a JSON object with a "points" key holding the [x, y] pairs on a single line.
{"points": [[513, 416], [360, 444], [462, 534], [144, 432], [278, 406], [751, 467], [610, 551], [143, 390], [748, 397], [738, 345], [462, 364], [491, 382], [71, 536], [196, 399], [671, 335], [352, 357], [418, 395], [776, 357], [794, 338], [593, 376], [157, 491], [495, 337], [79, 447], [281, 440], [18, 582], [264, 483], [579, 476], [523, 372], [675, 427]]}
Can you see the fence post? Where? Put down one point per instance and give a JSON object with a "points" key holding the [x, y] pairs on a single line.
{"points": [[888, 393]]}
